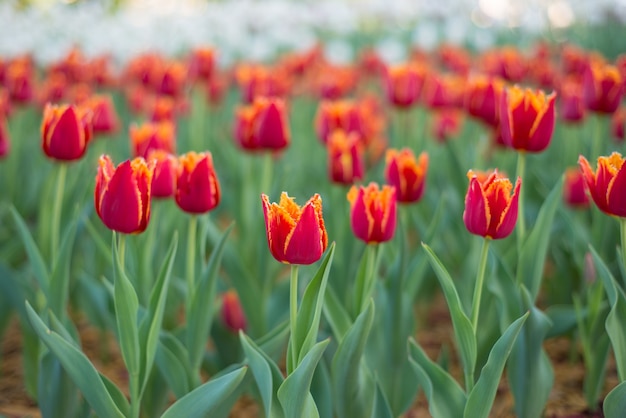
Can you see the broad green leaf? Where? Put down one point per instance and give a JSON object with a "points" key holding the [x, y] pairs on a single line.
{"points": [[267, 375], [201, 312], [207, 398], [353, 393], [60, 277], [480, 399], [381, 407], [563, 319], [78, 367], [126, 307], [273, 343], [34, 255], [294, 393], [445, 396], [463, 332], [322, 390], [116, 394], [615, 402], [57, 396], [529, 369], [365, 278], [310, 312], [172, 361], [336, 315], [155, 310], [535, 248], [616, 319]]}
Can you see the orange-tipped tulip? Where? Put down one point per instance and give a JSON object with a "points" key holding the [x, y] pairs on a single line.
{"points": [[150, 136], [122, 194], [527, 119], [403, 84], [607, 185], [295, 235], [65, 131], [373, 212], [345, 157], [602, 88], [482, 98], [271, 124], [407, 174], [333, 115], [572, 107], [105, 119], [165, 171], [490, 209], [197, 186], [574, 193]]}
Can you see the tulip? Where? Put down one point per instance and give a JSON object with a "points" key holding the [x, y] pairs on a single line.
{"points": [[202, 63], [607, 185], [105, 119], [197, 186], [161, 109], [122, 194], [574, 194], [446, 123], [482, 99], [373, 212], [19, 80], [406, 174], [53, 89], [149, 136], [403, 84], [490, 209], [233, 315], [340, 114], [171, 79], [443, 91], [271, 124], [602, 88], [244, 128], [572, 107], [165, 170], [345, 157], [617, 124], [65, 131], [295, 235], [527, 119]]}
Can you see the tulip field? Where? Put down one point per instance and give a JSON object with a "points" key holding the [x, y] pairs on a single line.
{"points": [[184, 235]]}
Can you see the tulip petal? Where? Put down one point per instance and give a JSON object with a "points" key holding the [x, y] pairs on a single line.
{"points": [[616, 193], [121, 206], [304, 243], [66, 138], [476, 215], [509, 215]]}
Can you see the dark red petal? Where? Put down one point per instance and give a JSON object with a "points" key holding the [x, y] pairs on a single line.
{"points": [[66, 140], [509, 216], [359, 220], [121, 207], [616, 193], [476, 215], [304, 245]]}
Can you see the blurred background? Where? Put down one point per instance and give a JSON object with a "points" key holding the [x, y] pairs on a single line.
{"points": [[260, 30]]}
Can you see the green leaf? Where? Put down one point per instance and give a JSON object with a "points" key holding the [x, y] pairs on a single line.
{"points": [[529, 371], [445, 396], [34, 255], [126, 307], [273, 343], [201, 312], [116, 394], [78, 367], [480, 399], [155, 310], [60, 277], [266, 374], [615, 402], [294, 393], [616, 319], [381, 408], [353, 394], [336, 315], [535, 248], [172, 361], [463, 332], [365, 278], [310, 312], [563, 319], [207, 398], [57, 395]]}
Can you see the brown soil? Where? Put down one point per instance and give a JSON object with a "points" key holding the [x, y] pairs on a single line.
{"points": [[566, 398]]}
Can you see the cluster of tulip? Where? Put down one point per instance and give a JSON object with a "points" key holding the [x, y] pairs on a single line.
{"points": [[370, 120]]}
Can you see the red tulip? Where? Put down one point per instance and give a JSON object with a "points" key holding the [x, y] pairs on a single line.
{"points": [[65, 131], [607, 185], [105, 119], [233, 315], [572, 107], [406, 174], [490, 209], [345, 157], [527, 119], [149, 136], [482, 98], [165, 171], [271, 124], [122, 194], [602, 87], [295, 235], [373, 212], [403, 84], [574, 193], [197, 186]]}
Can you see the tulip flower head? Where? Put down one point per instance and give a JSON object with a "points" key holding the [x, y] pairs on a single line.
{"points": [[607, 185], [149, 136], [527, 119], [602, 87], [66, 131], [122, 194], [482, 98], [345, 157], [407, 174], [197, 187], [165, 171], [403, 84], [295, 235], [105, 119], [233, 316], [490, 209], [373, 212], [574, 194]]}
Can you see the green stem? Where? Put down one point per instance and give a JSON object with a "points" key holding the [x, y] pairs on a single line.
{"points": [[190, 271], [121, 250], [135, 400], [365, 283], [293, 313], [56, 212], [266, 174], [521, 221], [478, 290]]}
